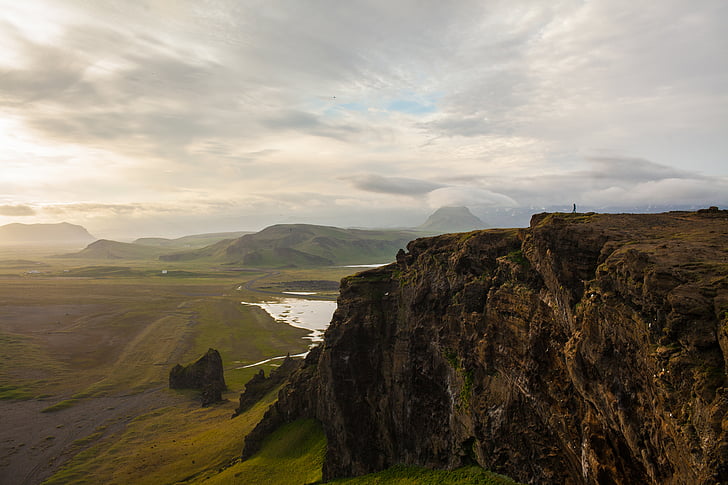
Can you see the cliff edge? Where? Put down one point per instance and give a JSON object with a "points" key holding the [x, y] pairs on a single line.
{"points": [[588, 348]]}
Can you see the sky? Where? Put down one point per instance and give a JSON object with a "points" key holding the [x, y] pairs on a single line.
{"points": [[177, 117]]}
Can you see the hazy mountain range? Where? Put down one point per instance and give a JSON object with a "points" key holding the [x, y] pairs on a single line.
{"points": [[62, 234], [275, 246]]}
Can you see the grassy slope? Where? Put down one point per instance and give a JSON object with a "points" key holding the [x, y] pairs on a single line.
{"points": [[106, 249], [173, 443], [77, 333], [166, 446], [244, 335], [349, 245], [310, 243], [294, 454], [189, 242]]}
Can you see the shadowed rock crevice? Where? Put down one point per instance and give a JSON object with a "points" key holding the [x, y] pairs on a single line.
{"points": [[588, 348]]}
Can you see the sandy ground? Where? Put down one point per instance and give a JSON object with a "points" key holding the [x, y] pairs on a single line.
{"points": [[105, 338], [79, 337], [33, 445]]}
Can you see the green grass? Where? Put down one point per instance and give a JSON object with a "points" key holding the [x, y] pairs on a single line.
{"points": [[466, 374], [10, 392], [518, 258], [157, 322], [21, 363], [175, 444], [295, 452], [292, 454], [140, 272], [409, 475], [243, 334], [60, 406], [104, 272], [86, 441], [116, 331]]}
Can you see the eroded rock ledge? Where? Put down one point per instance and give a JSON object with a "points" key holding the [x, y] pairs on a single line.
{"points": [[588, 348]]}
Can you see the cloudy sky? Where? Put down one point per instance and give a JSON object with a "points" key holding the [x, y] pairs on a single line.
{"points": [[167, 117]]}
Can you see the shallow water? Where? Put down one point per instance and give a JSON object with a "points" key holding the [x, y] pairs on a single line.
{"points": [[280, 357], [377, 265], [313, 315]]}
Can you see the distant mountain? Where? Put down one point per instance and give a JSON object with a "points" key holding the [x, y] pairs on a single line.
{"points": [[193, 241], [451, 219], [61, 234], [303, 245], [106, 249]]}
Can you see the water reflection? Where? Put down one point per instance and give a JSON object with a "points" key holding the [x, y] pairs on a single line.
{"points": [[313, 315]]}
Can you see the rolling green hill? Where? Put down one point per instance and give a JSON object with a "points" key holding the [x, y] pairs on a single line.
{"points": [[189, 242], [106, 249], [281, 245], [303, 245]]}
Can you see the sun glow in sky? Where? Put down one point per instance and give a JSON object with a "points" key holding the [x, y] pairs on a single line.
{"points": [[180, 117]]}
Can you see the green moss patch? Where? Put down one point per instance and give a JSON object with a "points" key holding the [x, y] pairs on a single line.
{"points": [[292, 454], [409, 475], [60, 406]]}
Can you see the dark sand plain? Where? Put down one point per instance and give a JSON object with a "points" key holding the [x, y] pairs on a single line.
{"points": [[82, 357]]}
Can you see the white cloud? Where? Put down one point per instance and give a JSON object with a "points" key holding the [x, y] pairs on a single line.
{"points": [[670, 191], [281, 107], [469, 197], [17, 210]]}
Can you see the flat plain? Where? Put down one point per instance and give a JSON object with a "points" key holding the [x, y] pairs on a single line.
{"points": [[85, 352]]}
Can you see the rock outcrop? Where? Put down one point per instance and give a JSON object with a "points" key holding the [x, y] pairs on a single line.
{"points": [[260, 385], [588, 348], [206, 374]]}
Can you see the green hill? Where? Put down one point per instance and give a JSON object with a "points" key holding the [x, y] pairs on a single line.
{"points": [[191, 242], [303, 245], [106, 249]]}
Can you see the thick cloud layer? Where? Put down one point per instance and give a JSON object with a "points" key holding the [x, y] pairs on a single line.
{"points": [[195, 116]]}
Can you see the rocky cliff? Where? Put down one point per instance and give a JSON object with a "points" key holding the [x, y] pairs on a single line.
{"points": [[588, 348]]}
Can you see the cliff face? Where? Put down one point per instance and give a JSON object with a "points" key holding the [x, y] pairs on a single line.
{"points": [[589, 348]]}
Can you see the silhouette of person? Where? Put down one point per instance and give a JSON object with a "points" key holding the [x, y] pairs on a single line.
{"points": [[574, 211]]}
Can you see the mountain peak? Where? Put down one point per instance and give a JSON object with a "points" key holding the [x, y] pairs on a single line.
{"points": [[62, 233], [451, 219]]}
